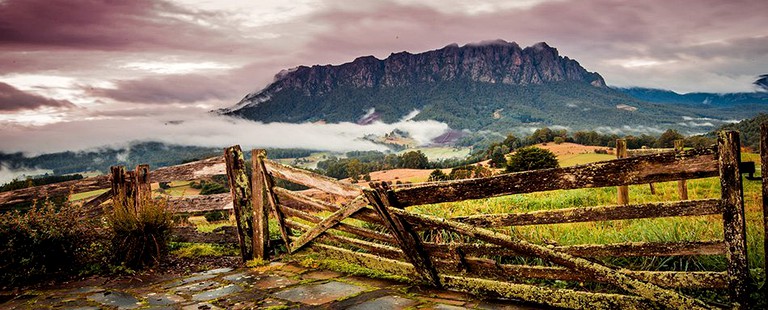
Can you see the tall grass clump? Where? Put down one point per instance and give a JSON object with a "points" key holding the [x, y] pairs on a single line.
{"points": [[139, 232], [48, 241]]}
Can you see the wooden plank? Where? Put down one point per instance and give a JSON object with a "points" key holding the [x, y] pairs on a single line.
{"points": [[285, 232], [543, 295], [371, 261], [562, 298], [734, 225], [491, 269], [310, 179], [240, 188], [327, 223], [371, 247], [198, 204], [92, 207], [623, 249], [763, 168], [682, 185], [191, 171], [352, 229], [600, 213], [406, 237], [595, 270], [622, 191], [691, 164], [260, 206], [303, 202]]}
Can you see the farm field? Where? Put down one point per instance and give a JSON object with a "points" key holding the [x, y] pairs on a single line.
{"points": [[439, 153]]}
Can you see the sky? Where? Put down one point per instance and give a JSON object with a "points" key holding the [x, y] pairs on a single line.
{"points": [[78, 74]]}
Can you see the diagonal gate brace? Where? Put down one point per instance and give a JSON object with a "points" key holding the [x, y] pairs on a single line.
{"points": [[327, 223]]}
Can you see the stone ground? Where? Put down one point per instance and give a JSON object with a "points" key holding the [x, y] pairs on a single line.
{"points": [[275, 286]]}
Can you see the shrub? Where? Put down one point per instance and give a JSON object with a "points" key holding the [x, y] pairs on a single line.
{"points": [[531, 158], [47, 241], [437, 175], [139, 233], [215, 216], [210, 188]]}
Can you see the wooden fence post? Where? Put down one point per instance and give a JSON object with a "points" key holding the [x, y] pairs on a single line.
{"points": [[240, 187], [682, 185], [729, 150], [260, 209], [120, 189], [285, 231], [142, 190], [404, 234], [623, 191], [763, 168]]}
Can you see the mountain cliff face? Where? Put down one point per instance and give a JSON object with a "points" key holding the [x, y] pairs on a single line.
{"points": [[494, 85], [487, 62]]}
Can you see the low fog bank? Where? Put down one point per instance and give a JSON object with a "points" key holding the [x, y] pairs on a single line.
{"points": [[207, 130], [7, 175]]}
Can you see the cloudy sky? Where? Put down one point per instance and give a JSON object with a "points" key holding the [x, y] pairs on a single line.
{"points": [[126, 69]]}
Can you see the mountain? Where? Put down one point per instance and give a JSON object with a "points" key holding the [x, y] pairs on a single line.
{"points": [[697, 99], [493, 85]]}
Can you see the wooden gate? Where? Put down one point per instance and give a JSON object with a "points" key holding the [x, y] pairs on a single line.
{"points": [[375, 230]]}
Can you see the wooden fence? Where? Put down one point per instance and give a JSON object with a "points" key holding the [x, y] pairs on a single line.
{"points": [[134, 183], [372, 227]]}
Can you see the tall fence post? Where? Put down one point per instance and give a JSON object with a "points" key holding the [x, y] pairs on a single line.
{"points": [[120, 189], [260, 209], [763, 167], [141, 185], [623, 191], [682, 185], [240, 187], [729, 150]]}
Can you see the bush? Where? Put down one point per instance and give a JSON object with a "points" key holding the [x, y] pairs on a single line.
{"points": [[215, 216], [139, 234], [531, 158], [437, 175], [47, 241], [210, 188]]}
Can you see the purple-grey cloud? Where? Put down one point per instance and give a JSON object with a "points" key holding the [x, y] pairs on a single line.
{"points": [[12, 100], [189, 88], [108, 25]]}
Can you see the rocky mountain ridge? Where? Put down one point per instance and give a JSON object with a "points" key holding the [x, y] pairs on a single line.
{"points": [[492, 62]]}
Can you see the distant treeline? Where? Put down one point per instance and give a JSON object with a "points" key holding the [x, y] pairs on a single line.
{"points": [[30, 182], [492, 146]]}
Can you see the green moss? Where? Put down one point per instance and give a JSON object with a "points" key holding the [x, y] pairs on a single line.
{"points": [[188, 249]]}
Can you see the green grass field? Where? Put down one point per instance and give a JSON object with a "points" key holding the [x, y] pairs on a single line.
{"points": [[438, 153], [581, 159]]}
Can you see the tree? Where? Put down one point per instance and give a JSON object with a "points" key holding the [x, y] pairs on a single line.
{"points": [[531, 158], [498, 155], [511, 142], [437, 175], [667, 139], [414, 159], [542, 135]]}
